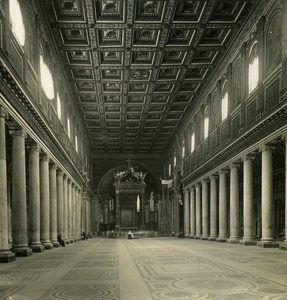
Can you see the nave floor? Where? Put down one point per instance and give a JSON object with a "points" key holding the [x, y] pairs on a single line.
{"points": [[147, 269]]}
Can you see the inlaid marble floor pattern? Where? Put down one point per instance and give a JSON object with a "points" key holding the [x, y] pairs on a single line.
{"points": [[147, 269]]}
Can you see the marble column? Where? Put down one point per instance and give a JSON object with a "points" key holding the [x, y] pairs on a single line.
{"points": [[74, 208], [66, 210], [267, 240], [117, 226], [234, 205], [5, 254], [45, 202], [192, 213], [34, 199], [213, 208], [222, 237], [70, 218], [79, 217], [186, 213], [53, 205], [198, 211], [205, 210], [248, 203], [283, 246], [83, 215], [19, 205], [60, 203], [76, 238]]}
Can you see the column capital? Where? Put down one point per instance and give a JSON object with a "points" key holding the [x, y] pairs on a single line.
{"points": [[213, 176], [223, 172], [247, 157], [65, 177], [266, 148], [3, 113], [33, 147], [205, 181], [234, 165], [18, 131], [44, 156], [191, 188], [59, 172], [53, 166], [185, 191], [69, 180]]}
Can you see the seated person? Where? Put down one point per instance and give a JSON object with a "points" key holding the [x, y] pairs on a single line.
{"points": [[61, 241], [84, 236]]}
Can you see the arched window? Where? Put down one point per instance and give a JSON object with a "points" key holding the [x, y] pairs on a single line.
{"points": [[46, 79], [253, 69], [192, 142], [16, 20], [69, 127], [183, 149], [76, 142], [206, 124], [59, 107], [224, 103], [169, 169]]}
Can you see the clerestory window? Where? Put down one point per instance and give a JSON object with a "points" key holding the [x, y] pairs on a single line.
{"points": [[253, 69], [16, 21]]}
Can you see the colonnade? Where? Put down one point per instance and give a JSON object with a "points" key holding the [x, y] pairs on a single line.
{"points": [[211, 213], [48, 206]]}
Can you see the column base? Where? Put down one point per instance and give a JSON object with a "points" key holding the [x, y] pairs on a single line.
{"points": [[67, 241], [197, 236], [191, 236], [48, 246], [283, 246], [221, 240], [22, 251], [268, 244], [211, 239], [248, 242], [7, 257], [186, 235], [71, 241], [233, 241], [55, 244], [37, 248], [204, 237]]}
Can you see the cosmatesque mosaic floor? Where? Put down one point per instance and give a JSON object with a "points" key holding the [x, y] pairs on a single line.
{"points": [[147, 269]]}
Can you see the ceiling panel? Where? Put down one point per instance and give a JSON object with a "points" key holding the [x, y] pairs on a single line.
{"points": [[137, 66]]}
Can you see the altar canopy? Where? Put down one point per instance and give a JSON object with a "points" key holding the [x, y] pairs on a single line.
{"points": [[130, 199]]}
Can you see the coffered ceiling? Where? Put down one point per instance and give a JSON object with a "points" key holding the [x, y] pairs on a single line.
{"points": [[137, 67]]}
